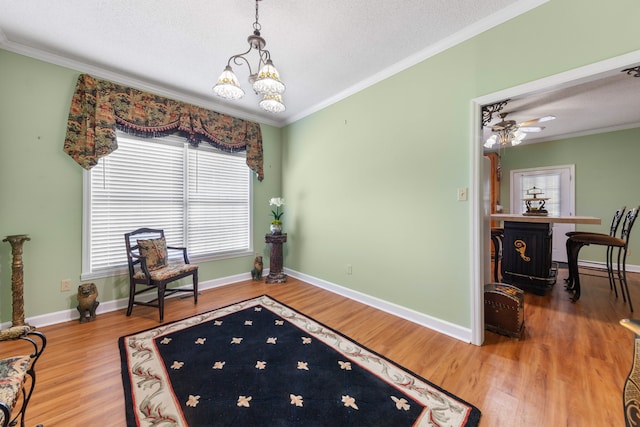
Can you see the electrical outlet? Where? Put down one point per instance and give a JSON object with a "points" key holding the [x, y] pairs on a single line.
{"points": [[462, 194], [65, 285], [349, 269]]}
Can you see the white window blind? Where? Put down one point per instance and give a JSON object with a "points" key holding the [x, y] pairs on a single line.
{"points": [[218, 214], [199, 197]]}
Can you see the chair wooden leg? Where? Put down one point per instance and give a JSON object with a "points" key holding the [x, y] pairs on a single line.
{"points": [[195, 287], [569, 280], [6, 413], [610, 274], [574, 286], [496, 257], [26, 397], [161, 289], [623, 277], [132, 296]]}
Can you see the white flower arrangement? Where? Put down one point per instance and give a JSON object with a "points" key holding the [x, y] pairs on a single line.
{"points": [[278, 202]]}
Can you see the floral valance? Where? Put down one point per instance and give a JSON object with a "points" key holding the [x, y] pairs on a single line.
{"points": [[99, 106]]}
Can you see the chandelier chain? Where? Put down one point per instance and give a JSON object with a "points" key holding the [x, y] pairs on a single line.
{"points": [[256, 25]]}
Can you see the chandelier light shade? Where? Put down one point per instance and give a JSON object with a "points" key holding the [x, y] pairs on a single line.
{"points": [[227, 86], [272, 103], [266, 81]]}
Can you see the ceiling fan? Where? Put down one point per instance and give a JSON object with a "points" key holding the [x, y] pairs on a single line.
{"points": [[510, 132]]}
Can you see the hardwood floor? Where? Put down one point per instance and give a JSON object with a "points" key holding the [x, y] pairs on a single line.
{"points": [[567, 370]]}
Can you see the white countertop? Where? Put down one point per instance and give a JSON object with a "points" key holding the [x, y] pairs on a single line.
{"points": [[547, 219]]}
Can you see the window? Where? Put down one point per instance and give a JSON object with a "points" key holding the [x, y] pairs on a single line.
{"points": [[549, 184], [555, 182], [199, 197]]}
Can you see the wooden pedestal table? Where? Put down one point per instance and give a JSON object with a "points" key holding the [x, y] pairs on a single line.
{"points": [[275, 241], [526, 253], [17, 278]]}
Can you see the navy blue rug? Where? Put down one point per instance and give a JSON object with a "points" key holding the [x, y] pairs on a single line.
{"points": [[262, 363]]}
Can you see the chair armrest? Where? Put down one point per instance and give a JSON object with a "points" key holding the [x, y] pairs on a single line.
{"points": [[37, 339], [143, 265], [39, 342], [184, 252]]}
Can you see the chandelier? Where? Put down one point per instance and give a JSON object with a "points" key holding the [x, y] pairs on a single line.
{"points": [[266, 80]]}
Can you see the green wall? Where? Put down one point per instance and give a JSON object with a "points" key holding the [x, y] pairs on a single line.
{"points": [[373, 179], [370, 181], [41, 191], [606, 167]]}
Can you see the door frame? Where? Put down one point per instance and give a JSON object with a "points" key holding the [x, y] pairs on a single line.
{"points": [[479, 255]]}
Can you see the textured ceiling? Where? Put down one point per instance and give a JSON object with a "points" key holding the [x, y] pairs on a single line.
{"points": [[324, 50]]}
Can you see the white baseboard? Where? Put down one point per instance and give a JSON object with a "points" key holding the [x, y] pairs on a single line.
{"points": [[438, 325], [113, 305], [603, 266]]}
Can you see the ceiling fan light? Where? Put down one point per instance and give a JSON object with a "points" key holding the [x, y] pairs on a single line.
{"points": [[504, 137], [228, 86], [272, 103], [520, 135], [491, 141], [268, 80]]}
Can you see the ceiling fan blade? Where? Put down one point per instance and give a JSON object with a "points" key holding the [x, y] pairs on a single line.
{"points": [[531, 128], [538, 120]]}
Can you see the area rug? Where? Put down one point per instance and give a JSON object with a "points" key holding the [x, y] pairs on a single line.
{"points": [[261, 363]]}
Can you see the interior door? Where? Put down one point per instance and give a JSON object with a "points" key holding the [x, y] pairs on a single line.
{"points": [[557, 184]]}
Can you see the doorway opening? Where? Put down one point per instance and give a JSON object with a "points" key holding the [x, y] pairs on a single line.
{"points": [[480, 254]]}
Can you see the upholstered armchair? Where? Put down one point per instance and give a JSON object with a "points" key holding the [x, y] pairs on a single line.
{"points": [[18, 374], [150, 267]]}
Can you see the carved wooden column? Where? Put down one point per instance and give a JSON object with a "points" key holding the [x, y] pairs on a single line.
{"points": [[275, 241], [17, 277]]}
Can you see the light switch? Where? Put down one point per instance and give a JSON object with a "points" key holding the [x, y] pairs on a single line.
{"points": [[462, 194]]}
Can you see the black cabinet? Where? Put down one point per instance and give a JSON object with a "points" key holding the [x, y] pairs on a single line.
{"points": [[526, 255]]}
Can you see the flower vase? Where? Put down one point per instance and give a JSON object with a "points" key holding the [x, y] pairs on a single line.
{"points": [[276, 228]]}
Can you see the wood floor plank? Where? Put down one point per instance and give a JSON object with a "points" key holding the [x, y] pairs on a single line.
{"points": [[567, 370]]}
